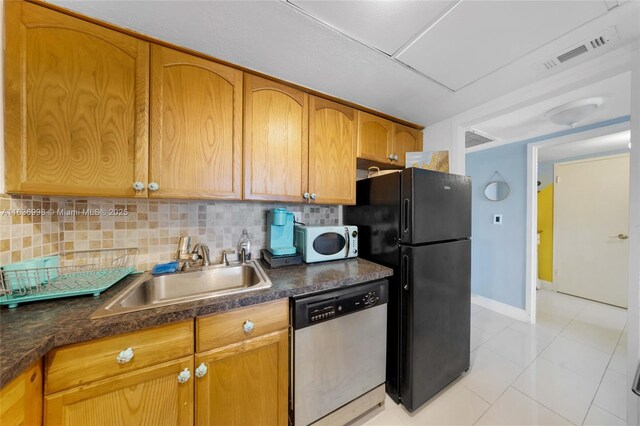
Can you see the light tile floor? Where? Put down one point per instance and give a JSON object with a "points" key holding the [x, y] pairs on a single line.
{"points": [[569, 368]]}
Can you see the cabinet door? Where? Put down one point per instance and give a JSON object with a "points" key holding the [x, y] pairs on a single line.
{"points": [[245, 383], [332, 152], [21, 399], [276, 141], [405, 139], [149, 396], [196, 127], [375, 138], [76, 105]]}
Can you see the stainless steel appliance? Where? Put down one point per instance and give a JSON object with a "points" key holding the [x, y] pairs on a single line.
{"points": [[322, 243], [418, 222], [338, 348]]}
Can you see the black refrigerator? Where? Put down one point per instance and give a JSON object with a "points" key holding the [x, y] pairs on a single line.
{"points": [[418, 222]]}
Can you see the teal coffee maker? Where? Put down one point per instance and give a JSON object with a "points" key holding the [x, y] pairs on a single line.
{"points": [[280, 232]]}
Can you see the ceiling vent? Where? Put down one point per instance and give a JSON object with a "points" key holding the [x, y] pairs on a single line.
{"points": [[474, 138], [605, 38]]}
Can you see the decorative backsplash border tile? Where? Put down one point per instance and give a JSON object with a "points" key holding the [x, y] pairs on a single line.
{"points": [[32, 226]]}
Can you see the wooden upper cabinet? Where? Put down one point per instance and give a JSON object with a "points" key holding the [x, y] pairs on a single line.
{"points": [[76, 105], [196, 127], [332, 152], [375, 137], [405, 139], [276, 141]]}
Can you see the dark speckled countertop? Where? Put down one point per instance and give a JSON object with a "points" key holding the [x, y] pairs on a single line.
{"points": [[33, 329]]}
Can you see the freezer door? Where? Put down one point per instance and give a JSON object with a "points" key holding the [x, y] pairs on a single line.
{"points": [[436, 318], [377, 215], [434, 207]]}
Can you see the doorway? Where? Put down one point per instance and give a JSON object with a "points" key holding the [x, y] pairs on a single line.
{"points": [[590, 228]]}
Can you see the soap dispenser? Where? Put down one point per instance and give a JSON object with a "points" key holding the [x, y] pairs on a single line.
{"points": [[244, 243]]}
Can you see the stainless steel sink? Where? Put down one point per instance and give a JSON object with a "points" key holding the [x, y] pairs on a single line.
{"points": [[149, 291]]}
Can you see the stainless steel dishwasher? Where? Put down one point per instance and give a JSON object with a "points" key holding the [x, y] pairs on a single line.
{"points": [[338, 351]]}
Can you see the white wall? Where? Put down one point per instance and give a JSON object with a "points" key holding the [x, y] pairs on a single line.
{"points": [[2, 100], [633, 313]]}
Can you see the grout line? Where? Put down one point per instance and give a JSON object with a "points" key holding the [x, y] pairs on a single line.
{"points": [[529, 365], [606, 411], [548, 408], [602, 379]]}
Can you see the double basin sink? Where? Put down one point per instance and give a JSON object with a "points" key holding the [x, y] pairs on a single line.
{"points": [[149, 291]]}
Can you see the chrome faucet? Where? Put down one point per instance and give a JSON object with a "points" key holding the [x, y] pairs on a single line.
{"points": [[200, 252], [243, 256], [225, 261], [203, 252]]}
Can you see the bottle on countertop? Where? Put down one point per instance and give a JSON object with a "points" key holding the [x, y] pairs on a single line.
{"points": [[244, 243]]}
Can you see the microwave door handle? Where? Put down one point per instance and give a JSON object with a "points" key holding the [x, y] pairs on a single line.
{"points": [[346, 236]]}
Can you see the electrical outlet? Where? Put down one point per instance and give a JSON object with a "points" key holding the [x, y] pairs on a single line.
{"points": [[497, 219], [297, 216]]}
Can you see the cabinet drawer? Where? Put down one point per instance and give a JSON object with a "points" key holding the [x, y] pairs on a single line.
{"points": [[87, 362], [226, 328]]}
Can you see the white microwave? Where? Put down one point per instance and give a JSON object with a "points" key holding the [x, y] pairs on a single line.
{"points": [[321, 243]]}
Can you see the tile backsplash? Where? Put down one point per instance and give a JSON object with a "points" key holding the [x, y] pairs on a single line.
{"points": [[32, 226]]}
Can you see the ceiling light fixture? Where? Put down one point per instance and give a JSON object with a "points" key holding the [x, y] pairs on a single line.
{"points": [[572, 113]]}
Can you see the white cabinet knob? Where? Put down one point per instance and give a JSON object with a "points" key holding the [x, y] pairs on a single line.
{"points": [[201, 371], [153, 186], [305, 195], [138, 186], [184, 376], [390, 157], [313, 196], [248, 326], [125, 356], [395, 157]]}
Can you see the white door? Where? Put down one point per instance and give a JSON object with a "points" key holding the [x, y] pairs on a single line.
{"points": [[590, 228]]}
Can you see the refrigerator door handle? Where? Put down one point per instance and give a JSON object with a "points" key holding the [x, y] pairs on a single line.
{"points": [[405, 272], [405, 216], [636, 382]]}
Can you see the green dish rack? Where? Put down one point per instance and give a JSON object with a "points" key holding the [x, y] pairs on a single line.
{"points": [[65, 275]]}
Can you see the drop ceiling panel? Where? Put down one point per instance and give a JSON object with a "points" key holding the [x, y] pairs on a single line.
{"points": [[479, 37], [385, 25]]}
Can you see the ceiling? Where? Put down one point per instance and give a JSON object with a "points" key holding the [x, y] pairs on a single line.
{"points": [[613, 142], [530, 121], [422, 61]]}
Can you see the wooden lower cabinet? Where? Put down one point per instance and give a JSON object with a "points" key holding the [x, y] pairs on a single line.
{"points": [[246, 383], [21, 399], [149, 396]]}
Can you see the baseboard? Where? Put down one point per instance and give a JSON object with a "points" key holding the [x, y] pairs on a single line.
{"points": [[501, 308], [547, 285]]}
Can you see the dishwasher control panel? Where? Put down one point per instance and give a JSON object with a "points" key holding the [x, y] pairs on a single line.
{"points": [[318, 308]]}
